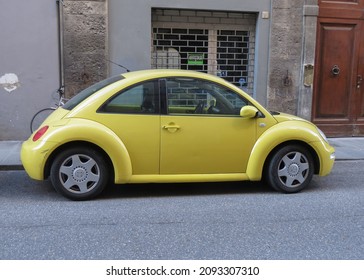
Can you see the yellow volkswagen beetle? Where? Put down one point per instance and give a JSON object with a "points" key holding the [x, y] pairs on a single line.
{"points": [[159, 126]]}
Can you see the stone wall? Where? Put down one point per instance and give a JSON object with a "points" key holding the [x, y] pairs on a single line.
{"points": [[285, 55], [85, 43]]}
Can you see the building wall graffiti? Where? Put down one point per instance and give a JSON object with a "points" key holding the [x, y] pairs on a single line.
{"points": [[9, 82]]}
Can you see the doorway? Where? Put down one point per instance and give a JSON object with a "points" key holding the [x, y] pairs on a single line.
{"points": [[338, 102]]}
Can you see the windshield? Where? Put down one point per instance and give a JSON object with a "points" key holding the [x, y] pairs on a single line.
{"points": [[77, 99]]}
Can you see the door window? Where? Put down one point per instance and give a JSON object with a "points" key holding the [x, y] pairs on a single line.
{"points": [[194, 96], [140, 99]]}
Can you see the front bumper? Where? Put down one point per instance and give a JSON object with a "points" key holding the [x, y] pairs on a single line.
{"points": [[326, 155]]}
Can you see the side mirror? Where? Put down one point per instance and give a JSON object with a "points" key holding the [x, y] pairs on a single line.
{"points": [[248, 112]]}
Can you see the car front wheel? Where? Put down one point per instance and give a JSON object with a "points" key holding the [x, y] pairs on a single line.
{"points": [[290, 169], [79, 173]]}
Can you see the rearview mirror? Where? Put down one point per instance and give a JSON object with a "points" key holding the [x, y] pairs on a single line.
{"points": [[248, 112]]}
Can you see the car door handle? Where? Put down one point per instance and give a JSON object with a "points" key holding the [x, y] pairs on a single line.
{"points": [[171, 127]]}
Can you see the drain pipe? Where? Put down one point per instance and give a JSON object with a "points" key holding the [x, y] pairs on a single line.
{"points": [[60, 42]]}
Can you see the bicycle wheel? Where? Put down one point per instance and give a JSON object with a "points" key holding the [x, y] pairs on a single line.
{"points": [[39, 118]]}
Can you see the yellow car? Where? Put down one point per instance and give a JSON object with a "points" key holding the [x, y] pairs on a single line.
{"points": [[159, 126]]}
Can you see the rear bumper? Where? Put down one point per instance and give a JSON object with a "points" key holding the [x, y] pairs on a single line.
{"points": [[33, 156]]}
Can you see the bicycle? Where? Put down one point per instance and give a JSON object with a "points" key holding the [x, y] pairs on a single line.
{"points": [[42, 114]]}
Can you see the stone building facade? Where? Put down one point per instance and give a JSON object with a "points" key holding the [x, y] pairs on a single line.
{"points": [[88, 46]]}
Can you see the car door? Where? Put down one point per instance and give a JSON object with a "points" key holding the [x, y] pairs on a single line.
{"points": [[202, 131], [133, 115]]}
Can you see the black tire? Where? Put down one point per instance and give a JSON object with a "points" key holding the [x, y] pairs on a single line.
{"points": [[39, 118], [79, 173], [290, 169]]}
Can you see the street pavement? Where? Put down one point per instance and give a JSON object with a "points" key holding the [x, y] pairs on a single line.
{"points": [[347, 148], [207, 221]]}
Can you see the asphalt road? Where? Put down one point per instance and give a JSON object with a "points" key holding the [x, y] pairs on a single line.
{"points": [[186, 221]]}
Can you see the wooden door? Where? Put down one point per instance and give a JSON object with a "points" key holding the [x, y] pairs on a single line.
{"points": [[338, 103]]}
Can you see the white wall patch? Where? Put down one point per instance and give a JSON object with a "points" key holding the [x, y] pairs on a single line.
{"points": [[9, 82]]}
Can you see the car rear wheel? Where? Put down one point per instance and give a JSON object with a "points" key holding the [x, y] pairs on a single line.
{"points": [[290, 169], [79, 173]]}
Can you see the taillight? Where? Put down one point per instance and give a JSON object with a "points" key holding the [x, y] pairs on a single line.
{"points": [[40, 133]]}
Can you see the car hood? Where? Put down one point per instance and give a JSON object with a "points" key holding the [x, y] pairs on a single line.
{"points": [[282, 117]]}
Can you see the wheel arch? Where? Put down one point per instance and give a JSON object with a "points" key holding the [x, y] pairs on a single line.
{"points": [[96, 136], [274, 139], [85, 144]]}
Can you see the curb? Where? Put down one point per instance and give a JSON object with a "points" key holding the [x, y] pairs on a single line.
{"points": [[349, 159], [11, 167]]}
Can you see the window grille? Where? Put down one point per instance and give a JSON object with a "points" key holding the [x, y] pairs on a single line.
{"points": [[216, 49]]}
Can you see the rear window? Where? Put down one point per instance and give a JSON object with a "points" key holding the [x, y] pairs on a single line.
{"points": [[77, 99]]}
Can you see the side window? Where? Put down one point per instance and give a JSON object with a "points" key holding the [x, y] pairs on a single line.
{"points": [[194, 96], [140, 99]]}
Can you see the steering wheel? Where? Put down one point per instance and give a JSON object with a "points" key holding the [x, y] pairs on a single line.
{"points": [[199, 108]]}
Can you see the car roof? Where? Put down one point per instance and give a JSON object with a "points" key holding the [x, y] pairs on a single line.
{"points": [[158, 73]]}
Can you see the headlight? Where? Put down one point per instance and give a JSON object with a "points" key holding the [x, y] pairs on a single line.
{"points": [[322, 135]]}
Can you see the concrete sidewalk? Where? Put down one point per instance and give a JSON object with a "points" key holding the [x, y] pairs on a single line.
{"points": [[10, 155], [346, 149]]}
